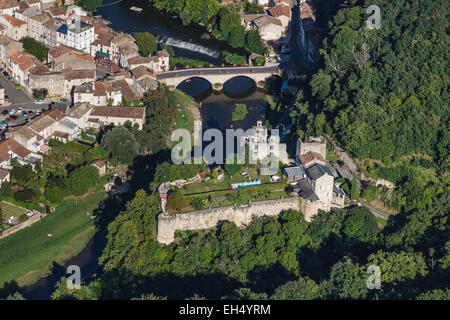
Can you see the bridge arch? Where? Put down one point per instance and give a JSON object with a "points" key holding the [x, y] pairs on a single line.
{"points": [[239, 86], [196, 87]]}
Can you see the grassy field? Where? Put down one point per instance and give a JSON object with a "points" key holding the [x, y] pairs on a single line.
{"points": [[10, 210], [26, 256], [186, 106]]}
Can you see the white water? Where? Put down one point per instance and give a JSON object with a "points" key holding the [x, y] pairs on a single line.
{"points": [[188, 46]]}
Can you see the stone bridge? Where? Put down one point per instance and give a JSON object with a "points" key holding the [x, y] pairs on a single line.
{"points": [[217, 74]]}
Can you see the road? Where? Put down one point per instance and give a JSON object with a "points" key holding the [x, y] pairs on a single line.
{"points": [[375, 212], [217, 70], [19, 99], [297, 52]]}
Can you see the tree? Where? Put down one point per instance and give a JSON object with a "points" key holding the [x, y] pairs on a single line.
{"points": [[237, 37], [176, 201], [253, 42], [120, 144], [301, 289], [90, 5], [82, 179], [54, 194], [146, 43], [34, 47], [354, 188], [232, 166]]}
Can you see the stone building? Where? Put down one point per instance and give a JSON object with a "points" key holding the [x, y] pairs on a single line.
{"points": [[117, 116]]}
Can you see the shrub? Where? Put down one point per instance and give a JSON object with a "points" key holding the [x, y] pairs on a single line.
{"points": [[24, 195], [176, 201], [54, 194], [239, 112]]}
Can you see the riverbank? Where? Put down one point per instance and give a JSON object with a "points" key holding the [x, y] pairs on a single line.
{"points": [[29, 254]]}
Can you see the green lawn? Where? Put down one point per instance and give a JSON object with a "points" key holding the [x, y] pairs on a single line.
{"points": [[331, 156], [10, 210], [184, 105], [27, 255]]}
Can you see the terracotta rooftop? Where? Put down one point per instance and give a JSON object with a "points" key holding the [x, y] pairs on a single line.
{"points": [[162, 53], [98, 163], [58, 11], [139, 60], [11, 145], [62, 50], [119, 112], [79, 74], [143, 71], [280, 10], [309, 157], [24, 60], [6, 4], [54, 114], [3, 174], [13, 21]]}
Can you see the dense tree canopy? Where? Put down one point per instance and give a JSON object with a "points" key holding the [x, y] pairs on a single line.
{"points": [[120, 144], [384, 92]]}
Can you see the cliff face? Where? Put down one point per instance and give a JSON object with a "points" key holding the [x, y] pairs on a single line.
{"points": [[205, 219]]}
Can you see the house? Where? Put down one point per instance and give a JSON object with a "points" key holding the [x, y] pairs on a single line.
{"points": [[311, 158], [116, 116], [36, 29], [14, 28], [101, 166], [8, 7], [58, 12], [45, 4], [76, 77], [282, 13], [5, 176], [262, 146], [160, 62], [316, 145], [139, 61], [26, 12], [322, 181], [64, 57], [19, 63], [10, 149], [124, 49], [294, 174], [53, 81], [144, 79], [79, 114], [7, 47], [76, 34], [270, 28]]}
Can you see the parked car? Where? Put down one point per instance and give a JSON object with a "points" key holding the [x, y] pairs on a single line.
{"points": [[12, 111], [5, 112], [9, 119], [24, 113], [30, 111], [6, 74], [40, 102], [14, 117]]}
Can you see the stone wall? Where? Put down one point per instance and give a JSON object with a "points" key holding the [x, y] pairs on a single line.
{"points": [[22, 225], [210, 218], [318, 146]]}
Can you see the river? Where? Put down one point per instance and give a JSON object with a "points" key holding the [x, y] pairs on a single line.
{"points": [[186, 41], [215, 108]]}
